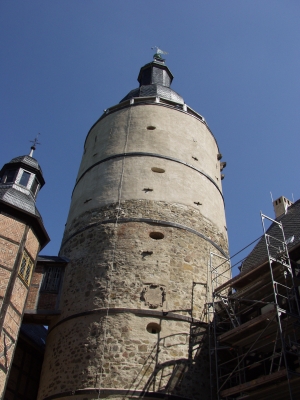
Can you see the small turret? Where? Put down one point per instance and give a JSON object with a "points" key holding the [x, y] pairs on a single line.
{"points": [[155, 79], [23, 174], [155, 73]]}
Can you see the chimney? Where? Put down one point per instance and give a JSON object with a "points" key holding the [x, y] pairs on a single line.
{"points": [[281, 205]]}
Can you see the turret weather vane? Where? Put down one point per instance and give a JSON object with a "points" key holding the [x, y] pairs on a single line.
{"points": [[34, 143], [157, 55]]}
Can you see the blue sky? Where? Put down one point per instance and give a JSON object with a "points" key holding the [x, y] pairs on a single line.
{"points": [[235, 62]]}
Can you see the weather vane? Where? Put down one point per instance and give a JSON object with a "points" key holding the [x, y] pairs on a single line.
{"points": [[157, 55], [34, 143]]}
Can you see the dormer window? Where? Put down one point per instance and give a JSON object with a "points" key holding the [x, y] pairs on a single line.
{"points": [[9, 176], [24, 178]]}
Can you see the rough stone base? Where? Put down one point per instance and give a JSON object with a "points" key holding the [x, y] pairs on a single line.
{"points": [[141, 268]]}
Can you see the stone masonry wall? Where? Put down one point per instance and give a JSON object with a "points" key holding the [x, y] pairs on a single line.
{"points": [[157, 210], [130, 358], [118, 270]]}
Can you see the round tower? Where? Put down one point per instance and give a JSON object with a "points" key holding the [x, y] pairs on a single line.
{"points": [[147, 209]]}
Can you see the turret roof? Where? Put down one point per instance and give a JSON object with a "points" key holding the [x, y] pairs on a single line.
{"points": [[155, 79], [30, 161]]}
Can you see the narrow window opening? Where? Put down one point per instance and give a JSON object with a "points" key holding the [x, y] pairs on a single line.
{"points": [[153, 328], [26, 268], [158, 170], [156, 235], [151, 128]]}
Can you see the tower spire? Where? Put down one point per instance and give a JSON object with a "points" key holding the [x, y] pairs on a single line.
{"points": [[34, 143]]}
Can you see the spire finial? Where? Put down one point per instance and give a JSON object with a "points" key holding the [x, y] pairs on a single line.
{"points": [[157, 56], [33, 147]]}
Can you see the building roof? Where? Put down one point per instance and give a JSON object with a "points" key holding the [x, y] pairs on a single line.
{"points": [[16, 198], [291, 227], [154, 90], [30, 161]]}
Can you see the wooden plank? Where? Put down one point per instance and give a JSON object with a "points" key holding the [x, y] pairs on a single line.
{"points": [[247, 276], [255, 383], [247, 325]]}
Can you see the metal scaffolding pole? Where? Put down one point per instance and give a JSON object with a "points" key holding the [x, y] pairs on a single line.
{"points": [[215, 276], [246, 358], [278, 253]]}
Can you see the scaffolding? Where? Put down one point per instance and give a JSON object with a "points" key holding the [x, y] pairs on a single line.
{"points": [[255, 324]]}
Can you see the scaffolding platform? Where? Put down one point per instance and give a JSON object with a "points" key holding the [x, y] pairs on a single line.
{"points": [[256, 327]]}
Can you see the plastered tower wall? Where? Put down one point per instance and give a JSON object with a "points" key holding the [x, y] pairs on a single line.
{"points": [[146, 210]]}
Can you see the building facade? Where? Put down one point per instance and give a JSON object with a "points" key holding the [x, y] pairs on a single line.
{"points": [[146, 210], [22, 236]]}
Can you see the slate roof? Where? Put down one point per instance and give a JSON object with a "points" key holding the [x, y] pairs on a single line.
{"points": [[154, 90], [155, 79], [291, 226], [18, 199], [30, 161]]}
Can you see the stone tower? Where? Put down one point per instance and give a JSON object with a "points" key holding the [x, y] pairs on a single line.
{"points": [[146, 210], [22, 236]]}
